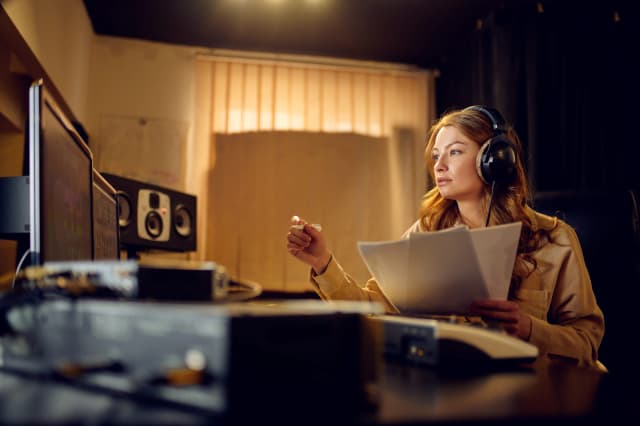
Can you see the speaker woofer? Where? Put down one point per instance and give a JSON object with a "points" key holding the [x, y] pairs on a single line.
{"points": [[153, 224], [124, 209], [182, 221]]}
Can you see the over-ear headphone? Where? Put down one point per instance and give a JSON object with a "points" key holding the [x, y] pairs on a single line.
{"points": [[496, 160]]}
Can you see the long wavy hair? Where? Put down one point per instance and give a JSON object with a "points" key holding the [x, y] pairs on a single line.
{"points": [[509, 204]]}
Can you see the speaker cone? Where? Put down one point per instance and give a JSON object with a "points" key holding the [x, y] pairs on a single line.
{"points": [[153, 224], [182, 221], [124, 209]]}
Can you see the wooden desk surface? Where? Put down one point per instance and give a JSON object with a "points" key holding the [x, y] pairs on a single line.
{"points": [[422, 395], [406, 395]]}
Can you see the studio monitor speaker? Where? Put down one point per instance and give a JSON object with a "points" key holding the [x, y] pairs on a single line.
{"points": [[151, 216]]}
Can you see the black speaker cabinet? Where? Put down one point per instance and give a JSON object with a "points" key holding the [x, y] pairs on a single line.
{"points": [[151, 216], [105, 219]]}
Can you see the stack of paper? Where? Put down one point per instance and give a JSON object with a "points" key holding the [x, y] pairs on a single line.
{"points": [[444, 271]]}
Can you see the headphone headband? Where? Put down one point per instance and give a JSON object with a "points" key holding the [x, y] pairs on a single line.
{"points": [[497, 121]]}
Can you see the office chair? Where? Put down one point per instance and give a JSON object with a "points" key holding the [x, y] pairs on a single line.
{"points": [[607, 225]]}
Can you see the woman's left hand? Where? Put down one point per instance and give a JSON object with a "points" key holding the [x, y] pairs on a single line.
{"points": [[506, 313]]}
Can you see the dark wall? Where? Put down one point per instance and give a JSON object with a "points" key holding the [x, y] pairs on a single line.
{"points": [[567, 77]]}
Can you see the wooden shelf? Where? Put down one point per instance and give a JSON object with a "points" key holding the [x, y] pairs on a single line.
{"points": [[18, 64]]}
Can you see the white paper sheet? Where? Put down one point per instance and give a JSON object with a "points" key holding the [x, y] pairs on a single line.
{"points": [[388, 262], [496, 254], [444, 274], [444, 271]]}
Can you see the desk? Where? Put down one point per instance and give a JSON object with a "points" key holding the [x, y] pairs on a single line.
{"points": [[286, 393], [549, 392], [406, 395]]}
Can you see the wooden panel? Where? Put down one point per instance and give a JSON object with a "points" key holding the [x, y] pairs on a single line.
{"points": [[342, 181], [11, 39]]}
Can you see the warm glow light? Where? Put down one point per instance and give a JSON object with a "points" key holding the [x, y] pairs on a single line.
{"points": [[309, 2], [261, 95], [616, 16]]}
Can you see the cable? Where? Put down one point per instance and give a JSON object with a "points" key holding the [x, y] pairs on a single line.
{"points": [[244, 290], [24, 256], [21, 297], [635, 219], [493, 187]]}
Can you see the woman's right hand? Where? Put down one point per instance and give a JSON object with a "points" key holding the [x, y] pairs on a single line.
{"points": [[309, 245]]}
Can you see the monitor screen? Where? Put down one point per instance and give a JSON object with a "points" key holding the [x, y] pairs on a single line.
{"points": [[105, 219], [60, 169]]}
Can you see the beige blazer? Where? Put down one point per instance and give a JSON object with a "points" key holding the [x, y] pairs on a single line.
{"points": [[557, 295]]}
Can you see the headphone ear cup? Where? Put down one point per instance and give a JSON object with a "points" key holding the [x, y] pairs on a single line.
{"points": [[496, 161], [480, 166]]}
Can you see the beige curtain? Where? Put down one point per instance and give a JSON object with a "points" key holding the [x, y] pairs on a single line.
{"points": [[340, 142], [257, 96]]}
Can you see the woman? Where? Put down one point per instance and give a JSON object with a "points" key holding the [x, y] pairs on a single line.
{"points": [[551, 302]]}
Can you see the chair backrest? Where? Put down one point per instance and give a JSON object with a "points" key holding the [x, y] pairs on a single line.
{"points": [[607, 225]]}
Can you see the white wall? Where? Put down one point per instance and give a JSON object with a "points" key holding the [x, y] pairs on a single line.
{"points": [[141, 80]]}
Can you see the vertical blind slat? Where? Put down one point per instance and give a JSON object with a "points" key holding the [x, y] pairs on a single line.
{"points": [[251, 97]]}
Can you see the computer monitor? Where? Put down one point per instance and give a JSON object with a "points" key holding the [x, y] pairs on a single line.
{"points": [[60, 190], [106, 242]]}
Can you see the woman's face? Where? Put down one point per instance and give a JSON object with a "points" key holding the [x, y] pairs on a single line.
{"points": [[454, 157]]}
